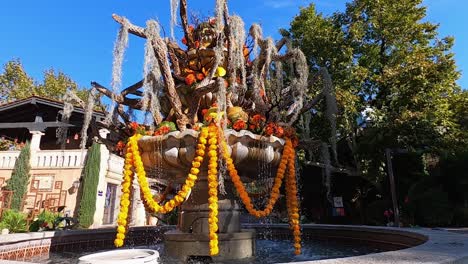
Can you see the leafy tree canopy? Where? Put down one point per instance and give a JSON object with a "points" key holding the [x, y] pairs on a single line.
{"points": [[16, 84], [385, 57]]}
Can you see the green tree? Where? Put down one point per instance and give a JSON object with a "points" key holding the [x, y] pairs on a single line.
{"points": [[90, 183], [16, 84], [19, 181], [385, 57]]}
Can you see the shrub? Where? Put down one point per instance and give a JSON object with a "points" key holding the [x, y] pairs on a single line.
{"points": [[44, 221], [90, 183], [19, 181], [14, 221], [428, 204], [375, 212]]}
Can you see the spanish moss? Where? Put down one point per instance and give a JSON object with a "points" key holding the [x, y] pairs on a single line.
{"points": [[87, 117], [332, 109], [174, 7], [325, 158], [120, 46]]}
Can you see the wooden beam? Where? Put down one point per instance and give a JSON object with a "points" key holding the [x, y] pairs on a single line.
{"points": [[35, 126]]}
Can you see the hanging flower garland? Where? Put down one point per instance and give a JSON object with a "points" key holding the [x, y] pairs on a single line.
{"points": [[286, 163], [213, 136], [133, 160], [186, 188], [213, 189], [123, 217], [292, 203], [240, 186]]}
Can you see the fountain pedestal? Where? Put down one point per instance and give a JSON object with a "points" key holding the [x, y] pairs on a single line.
{"points": [[174, 153], [191, 239]]}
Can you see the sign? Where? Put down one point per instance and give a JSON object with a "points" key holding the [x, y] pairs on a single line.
{"points": [[338, 201]]}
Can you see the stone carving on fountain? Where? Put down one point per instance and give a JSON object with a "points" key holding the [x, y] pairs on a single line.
{"points": [[174, 152]]}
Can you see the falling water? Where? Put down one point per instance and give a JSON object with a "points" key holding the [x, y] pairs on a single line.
{"points": [[87, 117], [264, 183], [120, 45], [325, 158], [332, 109], [222, 123]]}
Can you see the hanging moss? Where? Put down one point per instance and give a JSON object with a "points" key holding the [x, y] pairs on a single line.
{"points": [[19, 181], [90, 183]]}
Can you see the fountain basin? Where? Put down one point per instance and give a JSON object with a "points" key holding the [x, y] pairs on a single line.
{"points": [[399, 245], [122, 256], [174, 152]]}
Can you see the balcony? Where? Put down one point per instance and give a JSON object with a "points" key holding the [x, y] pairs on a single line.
{"points": [[44, 159]]}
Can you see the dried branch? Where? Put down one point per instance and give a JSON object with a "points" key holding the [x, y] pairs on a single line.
{"points": [[132, 89], [161, 51], [311, 103], [184, 20], [135, 30]]}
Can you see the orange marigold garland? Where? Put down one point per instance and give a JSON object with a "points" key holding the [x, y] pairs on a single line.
{"points": [[286, 163], [292, 203], [209, 135], [240, 186], [123, 216], [213, 189]]}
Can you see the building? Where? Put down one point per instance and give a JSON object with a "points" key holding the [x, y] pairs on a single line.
{"points": [[56, 170]]}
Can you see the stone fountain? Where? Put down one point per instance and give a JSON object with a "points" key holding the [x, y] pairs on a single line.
{"points": [[222, 70], [174, 153]]}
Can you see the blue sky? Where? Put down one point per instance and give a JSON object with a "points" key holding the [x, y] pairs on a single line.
{"points": [[77, 37]]}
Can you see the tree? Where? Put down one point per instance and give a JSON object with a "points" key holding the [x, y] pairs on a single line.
{"points": [[16, 84], [385, 58], [19, 181], [90, 183]]}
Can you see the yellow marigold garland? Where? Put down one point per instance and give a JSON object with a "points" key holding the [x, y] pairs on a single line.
{"points": [[186, 188], [213, 189], [123, 216], [209, 135]]}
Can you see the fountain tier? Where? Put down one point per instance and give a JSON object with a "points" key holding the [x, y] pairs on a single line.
{"points": [[173, 153]]}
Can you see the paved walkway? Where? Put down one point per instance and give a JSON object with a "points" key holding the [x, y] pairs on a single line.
{"points": [[442, 247]]}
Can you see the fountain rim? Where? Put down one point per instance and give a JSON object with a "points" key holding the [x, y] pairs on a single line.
{"points": [[228, 133], [435, 246]]}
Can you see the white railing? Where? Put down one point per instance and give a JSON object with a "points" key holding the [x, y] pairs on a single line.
{"points": [[46, 159], [8, 159], [58, 158], [115, 164]]}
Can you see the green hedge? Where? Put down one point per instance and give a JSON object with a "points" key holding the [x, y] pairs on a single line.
{"points": [[90, 184], [19, 181]]}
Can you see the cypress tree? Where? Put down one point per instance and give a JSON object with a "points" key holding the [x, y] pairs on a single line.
{"points": [[19, 181], [90, 183]]}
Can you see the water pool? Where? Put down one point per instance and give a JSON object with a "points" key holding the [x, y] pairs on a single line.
{"points": [[267, 251]]}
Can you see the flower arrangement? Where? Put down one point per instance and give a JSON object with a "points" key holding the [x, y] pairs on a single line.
{"points": [[210, 136]]}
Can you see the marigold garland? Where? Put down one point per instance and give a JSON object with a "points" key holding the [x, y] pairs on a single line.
{"points": [[213, 136], [123, 216], [292, 203], [240, 186], [286, 163], [213, 189]]}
